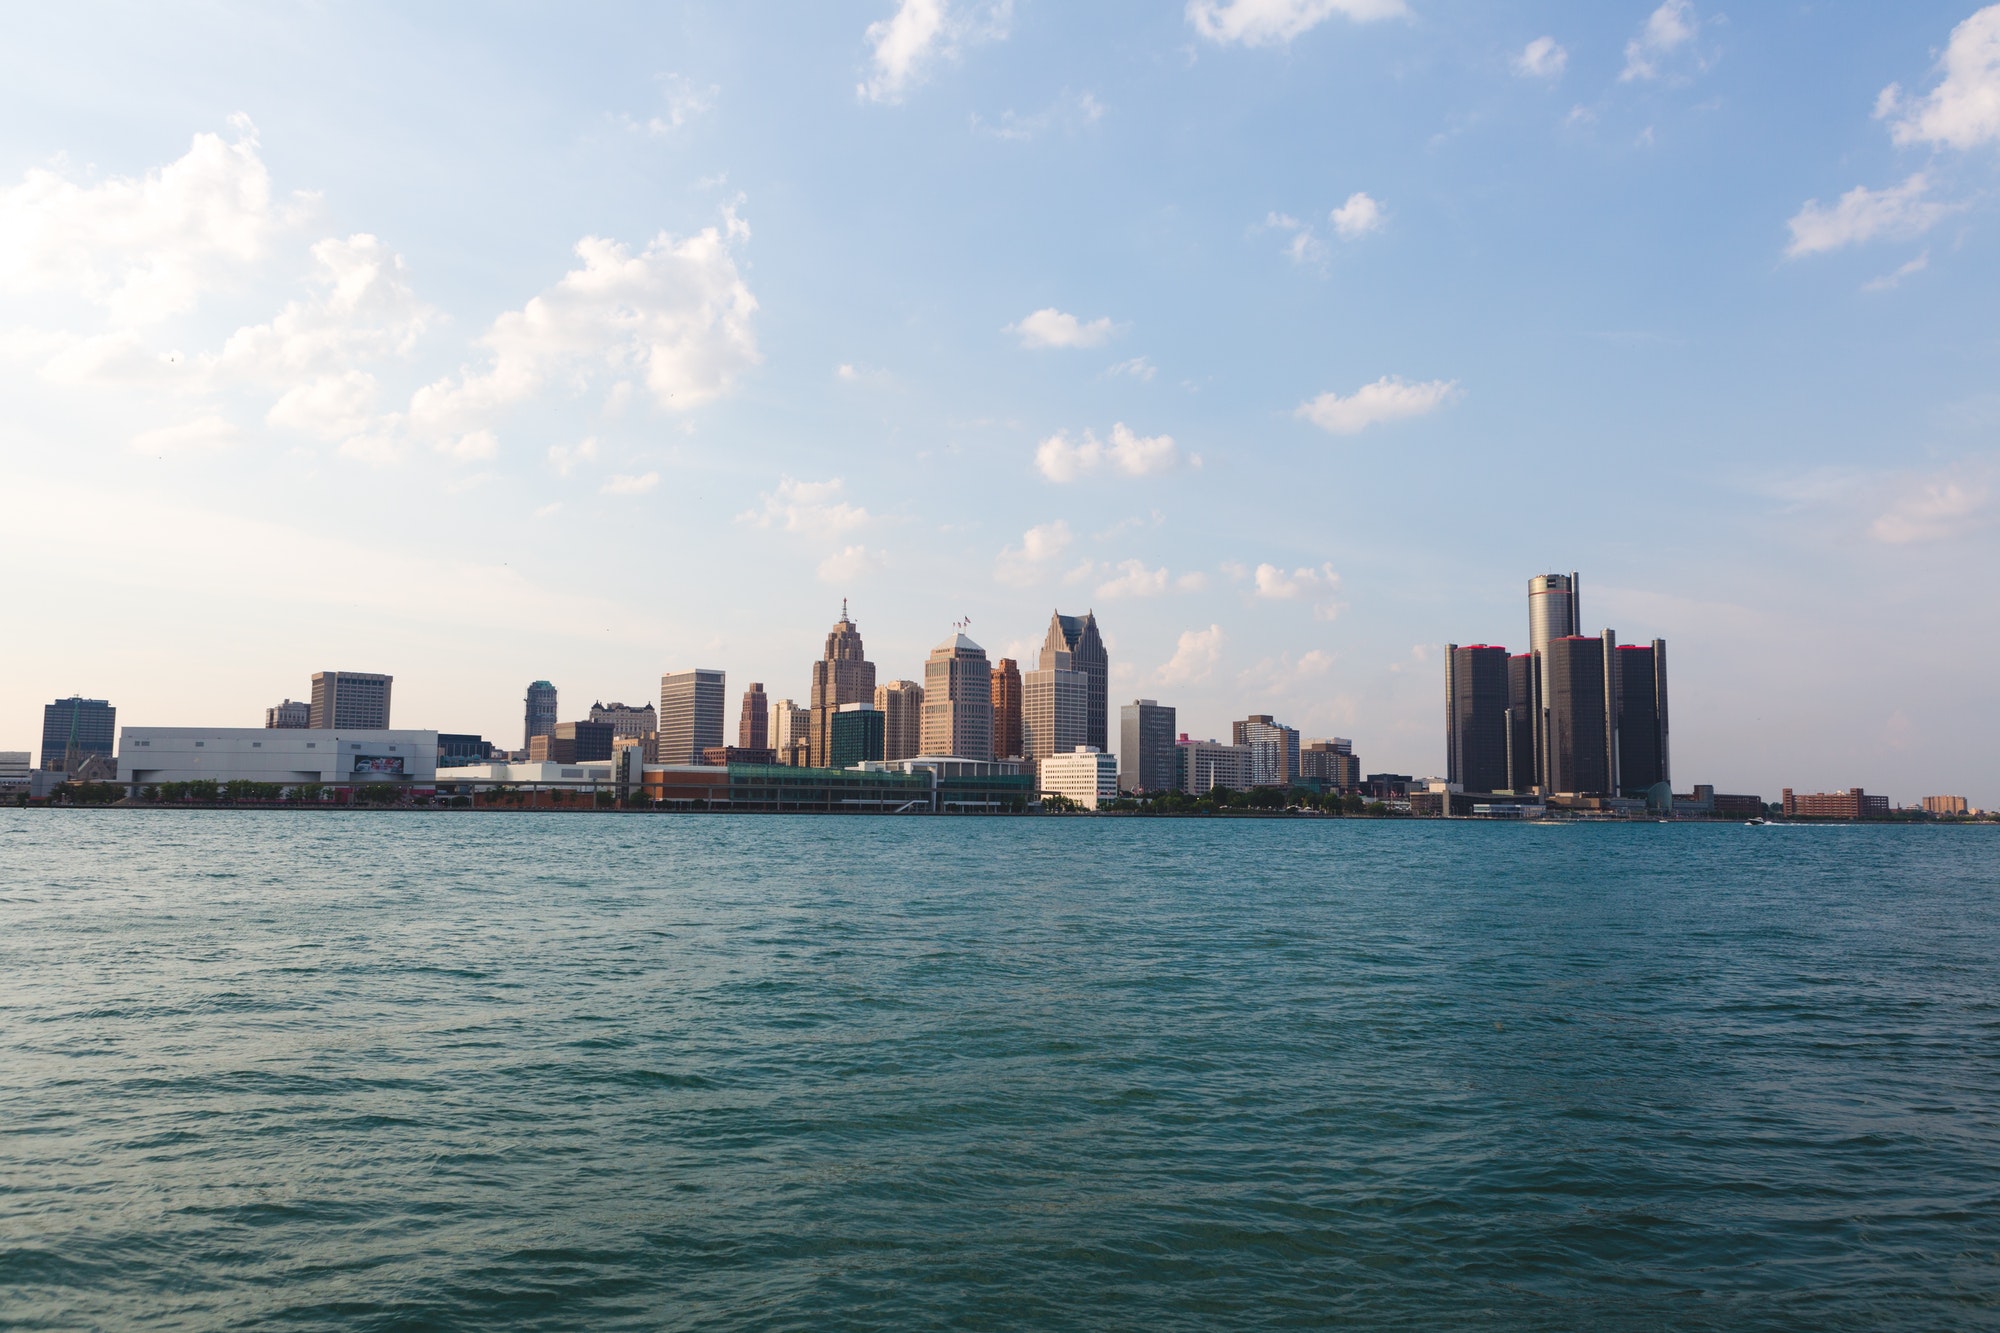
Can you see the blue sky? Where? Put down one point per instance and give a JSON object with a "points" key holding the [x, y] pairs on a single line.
{"points": [[1292, 336]]}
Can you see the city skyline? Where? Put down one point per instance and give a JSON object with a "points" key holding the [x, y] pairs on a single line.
{"points": [[1684, 299]]}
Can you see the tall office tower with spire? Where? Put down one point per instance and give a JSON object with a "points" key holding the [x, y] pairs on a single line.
{"points": [[1553, 614], [1077, 635], [1055, 706], [958, 700], [753, 729], [692, 706], [843, 675], [1007, 739], [901, 703], [1476, 716], [540, 709]]}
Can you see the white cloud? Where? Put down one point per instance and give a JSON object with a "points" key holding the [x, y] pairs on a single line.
{"points": [[1040, 546], [363, 307], [1195, 656], [813, 508], [846, 372], [1134, 579], [1963, 111], [208, 434], [1139, 368], [1192, 582], [1357, 217], [1274, 584], [1069, 111], [1935, 511], [1264, 22], [1669, 28], [676, 315], [1387, 399], [1542, 58], [622, 483], [333, 407], [1050, 327], [119, 359], [1062, 460], [146, 248], [1862, 214], [565, 458], [920, 32], [850, 563]]}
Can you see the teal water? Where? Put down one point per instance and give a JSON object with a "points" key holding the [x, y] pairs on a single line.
{"points": [[367, 1071]]}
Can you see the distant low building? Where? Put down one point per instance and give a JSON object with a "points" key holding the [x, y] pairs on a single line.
{"points": [[721, 756], [625, 720], [1085, 775], [1201, 766], [15, 765], [292, 713], [1946, 805], [1331, 762], [1853, 803], [455, 749]]}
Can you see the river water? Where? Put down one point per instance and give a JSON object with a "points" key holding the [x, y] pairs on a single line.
{"points": [[403, 1071]]}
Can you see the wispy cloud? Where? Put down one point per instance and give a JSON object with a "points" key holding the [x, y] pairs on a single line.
{"points": [[1357, 217], [1196, 655], [1670, 30], [1030, 562], [1542, 58], [1963, 111], [816, 509], [1862, 214], [905, 45]]}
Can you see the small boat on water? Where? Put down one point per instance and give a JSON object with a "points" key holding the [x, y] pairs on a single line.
{"points": [[1755, 823]]}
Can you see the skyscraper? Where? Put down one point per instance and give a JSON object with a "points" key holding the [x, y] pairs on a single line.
{"points": [[958, 700], [1007, 710], [74, 729], [539, 709], [1642, 717], [1521, 722], [1055, 706], [1553, 613], [902, 706], [350, 700], [692, 706], [1077, 635], [753, 729], [1579, 741], [843, 675], [1476, 714], [1145, 747]]}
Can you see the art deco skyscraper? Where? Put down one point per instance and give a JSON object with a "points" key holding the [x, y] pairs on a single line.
{"points": [[540, 710], [1007, 710], [843, 675], [958, 700], [753, 729], [1077, 635]]}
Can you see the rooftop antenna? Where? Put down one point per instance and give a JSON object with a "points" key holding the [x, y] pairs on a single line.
{"points": [[843, 608]]}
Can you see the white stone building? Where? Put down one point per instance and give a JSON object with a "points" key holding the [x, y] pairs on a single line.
{"points": [[1085, 775]]}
